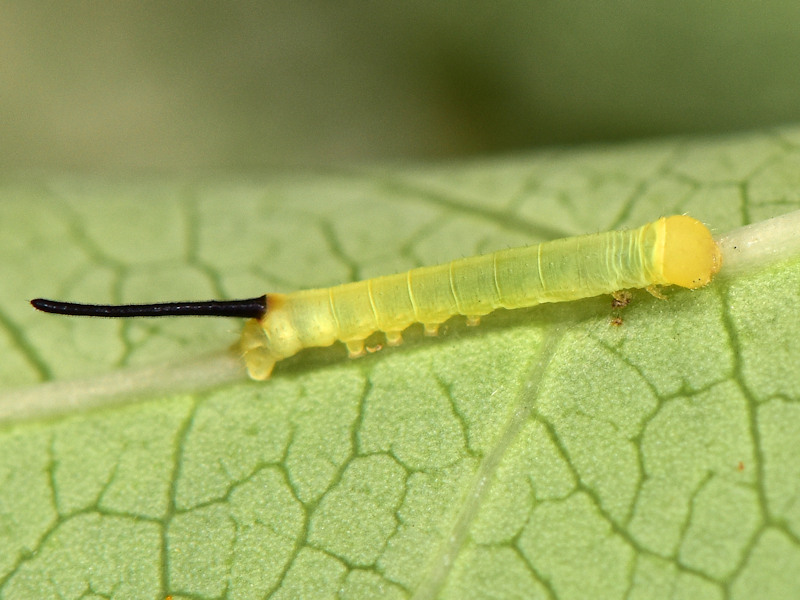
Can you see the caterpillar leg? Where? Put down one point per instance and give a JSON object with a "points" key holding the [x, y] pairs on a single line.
{"points": [[355, 348], [431, 329], [653, 289], [259, 364], [473, 320], [394, 338], [253, 346], [620, 299]]}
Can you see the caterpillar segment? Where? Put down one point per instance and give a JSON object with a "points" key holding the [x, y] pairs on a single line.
{"points": [[677, 250]]}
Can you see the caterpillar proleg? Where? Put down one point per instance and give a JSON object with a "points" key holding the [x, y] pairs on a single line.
{"points": [[677, 250]]}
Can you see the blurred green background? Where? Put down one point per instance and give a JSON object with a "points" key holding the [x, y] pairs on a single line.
{"points": [[172, 85]]}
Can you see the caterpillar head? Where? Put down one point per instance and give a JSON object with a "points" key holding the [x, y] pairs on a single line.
{"points": [[690, 256]]}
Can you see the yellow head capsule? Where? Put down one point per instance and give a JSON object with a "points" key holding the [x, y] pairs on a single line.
{"points": [[689, 256]]}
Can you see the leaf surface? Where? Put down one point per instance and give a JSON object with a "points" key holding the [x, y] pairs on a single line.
{"points": [[545, 454]]}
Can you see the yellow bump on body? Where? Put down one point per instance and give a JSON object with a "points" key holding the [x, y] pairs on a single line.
{"points": [[355, 348], [431, 329], [394, 338]]}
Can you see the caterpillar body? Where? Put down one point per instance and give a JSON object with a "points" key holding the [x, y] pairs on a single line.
{"points": [[677, 250]]}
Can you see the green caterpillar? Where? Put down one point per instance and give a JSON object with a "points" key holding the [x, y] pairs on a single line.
{"points": [[676, 250]]}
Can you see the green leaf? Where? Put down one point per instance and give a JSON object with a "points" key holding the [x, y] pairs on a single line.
{"points": [[544, 454]]}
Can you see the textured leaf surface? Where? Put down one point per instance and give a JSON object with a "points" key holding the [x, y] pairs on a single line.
{"points": [[545, 454]]}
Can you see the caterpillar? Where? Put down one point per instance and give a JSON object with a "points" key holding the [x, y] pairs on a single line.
{"points": [[677, 250]]}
